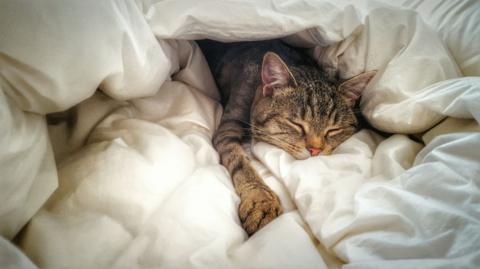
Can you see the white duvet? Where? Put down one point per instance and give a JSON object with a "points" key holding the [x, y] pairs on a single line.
{"points": [[137, 183]]}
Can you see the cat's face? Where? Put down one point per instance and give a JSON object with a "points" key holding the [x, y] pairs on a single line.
{"points": [[305, 115]]}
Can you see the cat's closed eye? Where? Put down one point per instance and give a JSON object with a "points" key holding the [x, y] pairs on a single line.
{"points": [[334, 132], [299, 128]]}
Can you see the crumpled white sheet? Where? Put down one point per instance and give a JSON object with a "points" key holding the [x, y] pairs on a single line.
{"points": [[52, 56], [140, 185]]}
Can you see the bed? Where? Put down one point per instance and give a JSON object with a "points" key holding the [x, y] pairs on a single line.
{"points": [[131, 180]]}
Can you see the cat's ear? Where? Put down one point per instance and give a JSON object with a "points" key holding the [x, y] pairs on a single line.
{"points": [[275, 74], [352, 89]]}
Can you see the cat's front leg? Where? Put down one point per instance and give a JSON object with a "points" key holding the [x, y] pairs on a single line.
{"points": [[259, 205]]}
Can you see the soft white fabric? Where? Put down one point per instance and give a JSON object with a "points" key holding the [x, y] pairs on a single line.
{"points": [[457, 25], [140, 185], [52, 56], [13, 258]]}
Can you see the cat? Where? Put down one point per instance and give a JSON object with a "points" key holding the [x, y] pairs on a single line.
{"points": [[276, 94]]}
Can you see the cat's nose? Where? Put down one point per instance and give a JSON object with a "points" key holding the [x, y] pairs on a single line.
{"points": [[314, 151]]}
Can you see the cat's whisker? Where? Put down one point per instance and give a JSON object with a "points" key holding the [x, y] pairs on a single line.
{"points": [[281, 142]]}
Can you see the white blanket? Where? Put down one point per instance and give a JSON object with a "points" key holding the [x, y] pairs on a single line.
{"points": [[140, 186]]}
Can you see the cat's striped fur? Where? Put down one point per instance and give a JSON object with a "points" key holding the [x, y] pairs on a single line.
{"points": [[276, 94]]}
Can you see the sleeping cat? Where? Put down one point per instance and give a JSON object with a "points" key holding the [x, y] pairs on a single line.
{"points": [[276, 94]]}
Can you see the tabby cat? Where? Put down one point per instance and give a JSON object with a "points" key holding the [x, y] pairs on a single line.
{"points": [[276, 94]]}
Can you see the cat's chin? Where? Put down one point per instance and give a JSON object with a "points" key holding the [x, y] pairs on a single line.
{"points": [[301, 155]]}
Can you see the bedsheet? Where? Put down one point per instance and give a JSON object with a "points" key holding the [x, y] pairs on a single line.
{"points": [[140, 185]]}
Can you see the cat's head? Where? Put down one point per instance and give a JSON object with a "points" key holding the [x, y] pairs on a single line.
{"points": [[298, 110]]}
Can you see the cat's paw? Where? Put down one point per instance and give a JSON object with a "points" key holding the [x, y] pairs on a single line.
{"points": [[257, 208]]}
